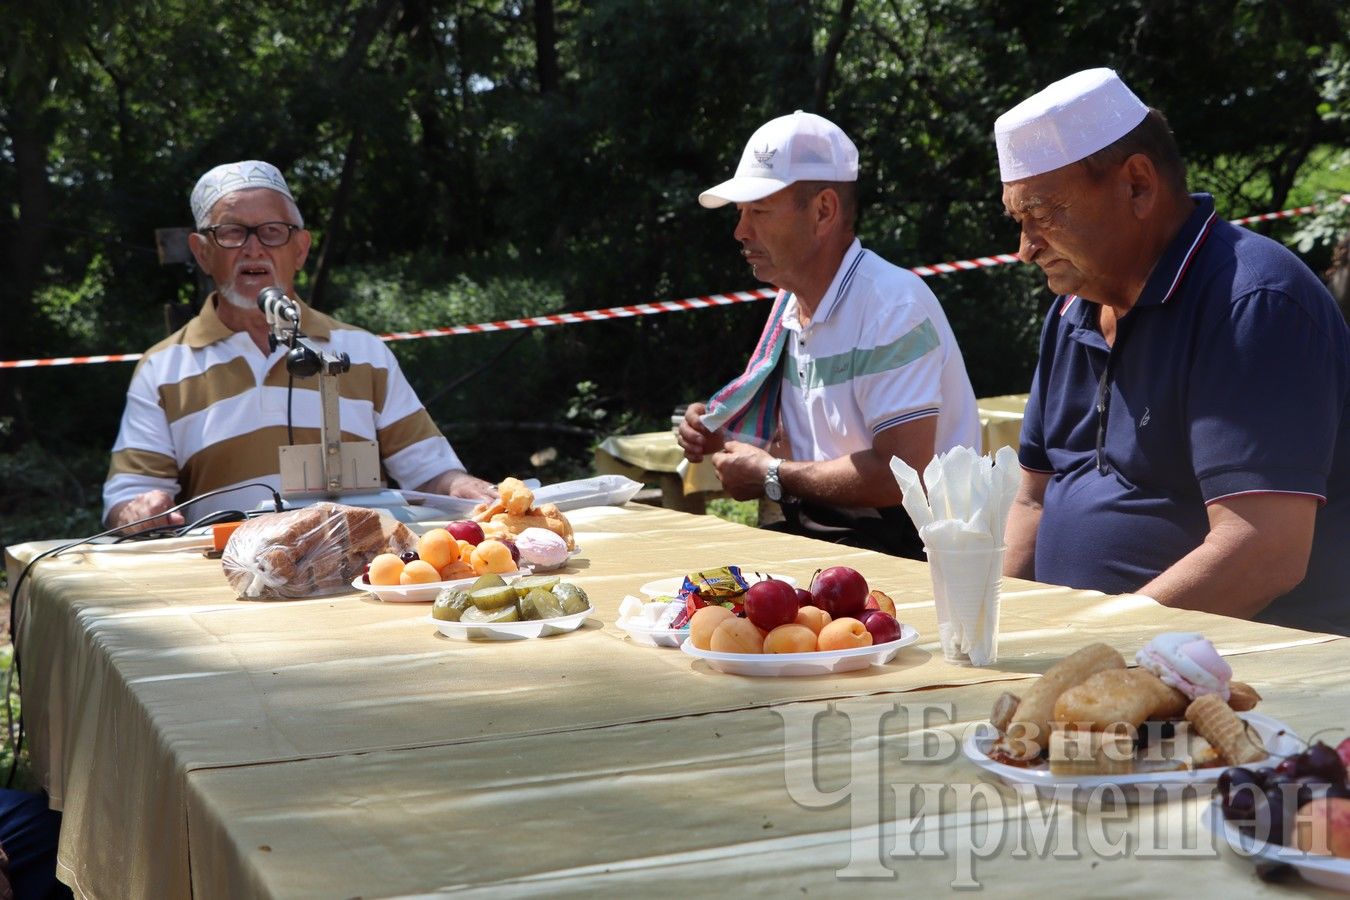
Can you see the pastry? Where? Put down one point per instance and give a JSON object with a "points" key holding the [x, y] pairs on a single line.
{"points": [[1029, 728], [305, 552], [1219, 725], [1118, 696], [1242, 696], [1004, 708], [1079, 752]]}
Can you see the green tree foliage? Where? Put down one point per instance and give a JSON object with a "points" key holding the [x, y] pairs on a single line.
{"points": [[479, 159]]}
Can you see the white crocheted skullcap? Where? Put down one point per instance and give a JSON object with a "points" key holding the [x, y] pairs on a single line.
{"points": [[1068, 121], [236, 176]]}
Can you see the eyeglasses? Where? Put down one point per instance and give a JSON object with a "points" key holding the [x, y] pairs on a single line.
{"points": [[232, 237], [1103, 410]]}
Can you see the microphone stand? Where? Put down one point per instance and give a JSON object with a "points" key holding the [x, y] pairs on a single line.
{"points": [[305, 361]]}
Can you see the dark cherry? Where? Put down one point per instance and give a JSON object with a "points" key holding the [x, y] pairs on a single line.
{"points": [[1324, 762], [365, 576], [409, 556], [1291, 766], [1339, 792], [1236, 777], [1263, 775], [1270, 816], [1240, 803]]}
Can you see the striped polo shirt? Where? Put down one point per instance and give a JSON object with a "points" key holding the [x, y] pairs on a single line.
{"points": [[877, 353], [207, 410]]}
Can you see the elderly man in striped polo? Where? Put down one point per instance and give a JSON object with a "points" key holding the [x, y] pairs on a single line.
{"points": [[210, 405]]}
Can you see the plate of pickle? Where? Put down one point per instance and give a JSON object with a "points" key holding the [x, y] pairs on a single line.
{"points": [[493, 608], [425, 592]]}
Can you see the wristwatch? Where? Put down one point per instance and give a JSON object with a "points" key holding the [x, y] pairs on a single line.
{"points": [[773, 488]]}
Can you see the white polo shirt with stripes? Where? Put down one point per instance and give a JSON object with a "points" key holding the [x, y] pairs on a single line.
{"points": [[878, 353], [206, 410]]}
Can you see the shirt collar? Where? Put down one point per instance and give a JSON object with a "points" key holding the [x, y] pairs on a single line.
{"points": [[1171, 269], [206, 328], [834, 295]]}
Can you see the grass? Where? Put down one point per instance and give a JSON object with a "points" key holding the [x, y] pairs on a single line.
{"points": [[742, 512], [23, 777]]}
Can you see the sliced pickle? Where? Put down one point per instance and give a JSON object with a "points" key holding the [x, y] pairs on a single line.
{"points": [[475, 615], [450, 604], [527, 609], [544, 603], [526, 583], [489, 598], [574, 599], [491, 579]]}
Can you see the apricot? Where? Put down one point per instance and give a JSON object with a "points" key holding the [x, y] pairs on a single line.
{"points": [[790, 638], [844, 634], [734, 635], [385, 569], [813, 617], [460, 568], [703, 622], [492, 556], [438, 548], [419, 571], [465, 549]]}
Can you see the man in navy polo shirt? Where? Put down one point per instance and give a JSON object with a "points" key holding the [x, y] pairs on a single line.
{"points": [[1187, 435]]}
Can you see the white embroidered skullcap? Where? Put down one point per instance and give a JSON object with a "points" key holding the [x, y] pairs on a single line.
{"points": [[235, 176], [799, 147], [1071, 119]]}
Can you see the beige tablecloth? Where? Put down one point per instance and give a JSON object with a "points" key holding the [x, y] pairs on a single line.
{"points": [[182, 730]]}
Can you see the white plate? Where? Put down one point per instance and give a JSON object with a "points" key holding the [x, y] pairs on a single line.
{"points": [[978, 740], [509, 631], [1328, 871], [421, 593], [560, 565], [654, 637], [670, 587], [820, 662]]}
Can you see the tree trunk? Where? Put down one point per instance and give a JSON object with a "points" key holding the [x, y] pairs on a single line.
{"points": [[545, 46], [333, 230], [825, 69]]}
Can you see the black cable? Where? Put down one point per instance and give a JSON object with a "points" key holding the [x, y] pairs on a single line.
{"points": [[290, 392], [14, 668]]}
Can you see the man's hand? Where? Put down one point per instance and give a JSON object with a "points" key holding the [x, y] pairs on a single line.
{"points": [[458, 483], [150, 503], [742, 467], [695, 439]]}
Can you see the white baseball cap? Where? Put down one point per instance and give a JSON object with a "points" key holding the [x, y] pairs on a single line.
{"points": [[799, 147], [1071, 119], [236, 176]]}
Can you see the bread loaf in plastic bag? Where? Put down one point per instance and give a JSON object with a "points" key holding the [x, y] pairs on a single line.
{"points": [[309, 552]]}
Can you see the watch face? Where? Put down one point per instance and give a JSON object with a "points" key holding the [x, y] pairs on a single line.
{"points": [[773, 490]]}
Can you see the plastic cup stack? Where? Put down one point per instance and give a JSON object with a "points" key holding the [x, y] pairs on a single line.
{"points": [[960, 517]]}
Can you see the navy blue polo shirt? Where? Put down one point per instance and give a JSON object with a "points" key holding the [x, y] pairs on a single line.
{"points": [[1230, 375]]}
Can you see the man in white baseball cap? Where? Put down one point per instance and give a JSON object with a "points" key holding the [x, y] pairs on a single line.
{"points": [[1187, 437], [209, 406], [856, 363]]}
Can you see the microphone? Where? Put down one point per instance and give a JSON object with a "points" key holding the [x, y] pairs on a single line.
{"points": [[278, 307]]}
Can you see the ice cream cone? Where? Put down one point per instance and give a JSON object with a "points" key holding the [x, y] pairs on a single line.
{"points": [[1219, 725]]}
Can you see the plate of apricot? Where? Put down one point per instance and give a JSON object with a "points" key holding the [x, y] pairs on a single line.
{"points": [[788, 655]]}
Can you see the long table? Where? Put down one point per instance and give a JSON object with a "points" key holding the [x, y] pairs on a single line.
{"points": [[204, 746]]}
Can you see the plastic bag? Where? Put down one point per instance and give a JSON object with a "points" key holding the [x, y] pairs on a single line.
{"points": [[309, 552]]}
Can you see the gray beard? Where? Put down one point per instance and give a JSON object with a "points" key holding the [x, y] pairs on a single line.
{"points": [[234, 298]]}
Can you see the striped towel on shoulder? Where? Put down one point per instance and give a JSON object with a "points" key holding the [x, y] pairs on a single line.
{"points": [[748, 406]]}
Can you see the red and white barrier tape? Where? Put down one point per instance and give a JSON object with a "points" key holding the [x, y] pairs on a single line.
{"points": [[639, 309]]}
